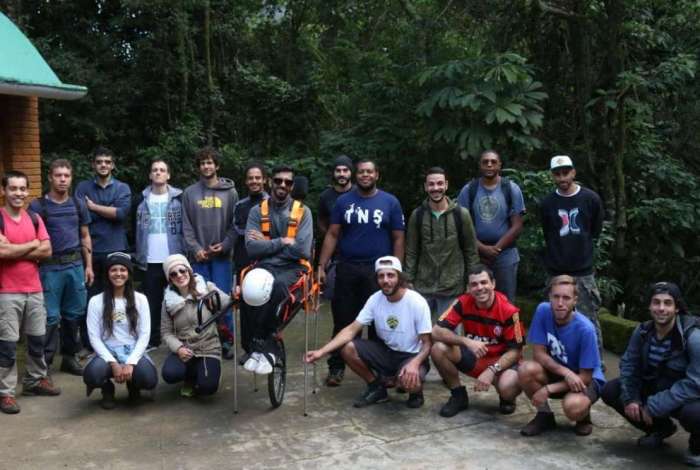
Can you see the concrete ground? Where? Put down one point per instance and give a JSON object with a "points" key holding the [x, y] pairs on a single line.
{"points": [[170, 432]]}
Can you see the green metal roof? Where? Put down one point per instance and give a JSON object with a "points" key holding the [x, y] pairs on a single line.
{"points": [[24, 72]]}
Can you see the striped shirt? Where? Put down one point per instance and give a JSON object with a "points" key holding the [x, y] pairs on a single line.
{"points": [[659, 350]]}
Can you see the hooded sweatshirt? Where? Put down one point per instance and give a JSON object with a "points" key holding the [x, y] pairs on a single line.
{"points": [[207, 216]]}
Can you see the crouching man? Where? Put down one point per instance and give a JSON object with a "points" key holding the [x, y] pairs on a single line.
{"points": [[402, 320], [566, 361], [490, 348], [660, 374]]}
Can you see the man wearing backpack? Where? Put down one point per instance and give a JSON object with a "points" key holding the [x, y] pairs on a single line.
{"points": [[63, 275], [497, 207], [660, 374], [440, 245], [23, 243]]}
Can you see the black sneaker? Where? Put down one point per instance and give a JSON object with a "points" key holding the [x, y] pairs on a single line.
{"points": [[335, 377], [108, 402], [372, 395], [655, 439], [540, 423], [70, 365], [506, 407], [415, 400], [134, 393], [459, 400]]}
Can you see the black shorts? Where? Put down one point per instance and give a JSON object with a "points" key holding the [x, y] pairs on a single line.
{"points": [[592, 391], [383, 360]]}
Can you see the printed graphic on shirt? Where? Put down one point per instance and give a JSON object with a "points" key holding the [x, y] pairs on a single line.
{"points": [[488, 208], [362, 215], [158, 217], [392, 321], [557, 349], [210, 202], [569, 224], [119, 316]]}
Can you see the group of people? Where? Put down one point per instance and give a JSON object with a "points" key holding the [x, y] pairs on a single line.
{"points": [[440, 287]]}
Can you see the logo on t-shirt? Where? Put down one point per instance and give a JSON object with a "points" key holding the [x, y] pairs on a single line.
{"points": [[362, 215], [488, 208], [392, 321], [557, 349], [119, 316], [210, 202], [569, 224]]}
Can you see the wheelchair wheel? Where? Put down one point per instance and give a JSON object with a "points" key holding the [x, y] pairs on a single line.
{"points": [[277, 380]]}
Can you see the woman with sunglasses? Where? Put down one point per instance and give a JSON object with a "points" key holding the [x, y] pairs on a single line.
{"points": [[119, 327], [195, 358]]}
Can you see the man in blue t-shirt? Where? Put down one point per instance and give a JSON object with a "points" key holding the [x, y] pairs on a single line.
{"points": [[366, 224], [566, 363], [497, 208], [65, 274]]}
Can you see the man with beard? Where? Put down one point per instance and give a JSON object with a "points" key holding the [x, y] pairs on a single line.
{"points": [[366, 223], [255, 181], [342, 183], [279, 235], [572, 219], [660, 374], [440, 245], [565, 364], [63, 275], [402, 319], [208, 230], [497, 208]]}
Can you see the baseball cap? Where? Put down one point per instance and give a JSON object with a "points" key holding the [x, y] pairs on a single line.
{"points": [[391, 262], [560, 161]]}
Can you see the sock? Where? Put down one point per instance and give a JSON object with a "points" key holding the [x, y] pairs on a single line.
{"points": [[544, 408], [458, 391]]}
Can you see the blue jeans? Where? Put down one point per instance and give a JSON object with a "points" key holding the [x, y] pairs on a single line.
{"points": [[65, 295], [506, 280], [220, 272]]}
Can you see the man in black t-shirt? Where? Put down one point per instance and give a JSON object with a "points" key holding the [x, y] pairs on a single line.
{"points": [[572, 219]]}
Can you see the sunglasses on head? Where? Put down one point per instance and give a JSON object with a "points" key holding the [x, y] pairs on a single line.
{"points": [[283, 182], [177, 272]]}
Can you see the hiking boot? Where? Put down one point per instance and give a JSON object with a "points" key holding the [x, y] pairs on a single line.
{"points": [[506, 407], [459, 401], [9, 405], [134, 393], [70, 365], [372, 394], [187, 390], [335, 377], [542, 422], [583, 427], [108, 402], [655, 438], [43, 387], [415, 400]]}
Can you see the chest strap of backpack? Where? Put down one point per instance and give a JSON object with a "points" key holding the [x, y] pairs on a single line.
{"points": [[295, 216]]}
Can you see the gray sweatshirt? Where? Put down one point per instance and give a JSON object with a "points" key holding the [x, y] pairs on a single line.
{"points": [[273, 251], [207, 216]]}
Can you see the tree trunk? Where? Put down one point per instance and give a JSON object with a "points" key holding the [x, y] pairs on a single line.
{"points": [[184, 72], [210, 78]]}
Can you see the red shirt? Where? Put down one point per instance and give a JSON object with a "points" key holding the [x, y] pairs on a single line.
{"points": [[499, 326], [21, 275]]}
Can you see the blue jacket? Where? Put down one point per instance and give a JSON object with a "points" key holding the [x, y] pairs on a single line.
{"points": [[174, 234], [676, 380]]}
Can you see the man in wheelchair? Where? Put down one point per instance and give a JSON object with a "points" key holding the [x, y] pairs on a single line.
{"points": [[278, 238], [401, 317]]}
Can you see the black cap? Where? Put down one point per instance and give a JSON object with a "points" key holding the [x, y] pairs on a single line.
{"points": [[119, 258], [343, 160], [671, 289]]}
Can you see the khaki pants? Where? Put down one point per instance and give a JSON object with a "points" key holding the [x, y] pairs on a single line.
{"points": [[21, 314]]}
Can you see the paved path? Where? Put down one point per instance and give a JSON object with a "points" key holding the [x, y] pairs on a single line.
{"points": [[73, 432]]}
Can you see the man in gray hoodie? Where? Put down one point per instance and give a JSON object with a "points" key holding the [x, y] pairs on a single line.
{"points": [[283, 249], [208, 229]]}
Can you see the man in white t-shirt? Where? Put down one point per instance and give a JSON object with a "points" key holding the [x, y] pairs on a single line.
{"points": [[158, 235], [401, 318]]}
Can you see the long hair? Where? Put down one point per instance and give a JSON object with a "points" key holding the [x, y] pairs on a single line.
{"points": [[132, 314], [191, 285]]}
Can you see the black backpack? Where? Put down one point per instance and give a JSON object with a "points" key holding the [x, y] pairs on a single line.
{"points": [[43, 212], [506, 189], [420, 212]]}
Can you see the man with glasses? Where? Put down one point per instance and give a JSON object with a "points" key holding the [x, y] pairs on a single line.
{"points": [[279, 235]]}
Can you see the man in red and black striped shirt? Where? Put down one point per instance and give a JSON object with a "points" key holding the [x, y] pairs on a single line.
{"points": [[491, 346]]}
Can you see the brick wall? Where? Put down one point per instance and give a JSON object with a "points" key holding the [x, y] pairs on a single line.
{"points": [[19, 139]]}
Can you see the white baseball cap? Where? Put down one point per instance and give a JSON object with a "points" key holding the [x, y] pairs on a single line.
{"points": [[391, 262], [560, 161]]}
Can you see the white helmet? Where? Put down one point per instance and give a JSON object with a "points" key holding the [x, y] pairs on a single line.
{"points": [[257, 287]]}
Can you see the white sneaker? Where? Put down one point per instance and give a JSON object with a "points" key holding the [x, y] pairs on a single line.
{"points": [[264, 366], [252, 363]]}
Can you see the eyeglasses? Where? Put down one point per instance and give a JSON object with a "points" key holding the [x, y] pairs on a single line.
{"points": [[283, 182], [177, 272]]}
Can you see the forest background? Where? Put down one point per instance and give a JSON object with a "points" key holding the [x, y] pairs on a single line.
{"points": [[412, 84]]}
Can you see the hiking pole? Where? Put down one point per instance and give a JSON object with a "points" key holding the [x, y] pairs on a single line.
{"points": [[306, 350], [317, 310], [234, 312]]}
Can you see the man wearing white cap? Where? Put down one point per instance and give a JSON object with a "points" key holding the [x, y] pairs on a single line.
{"points": [[402, 320], [572, 218]]}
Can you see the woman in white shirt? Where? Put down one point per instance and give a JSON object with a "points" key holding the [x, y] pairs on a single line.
{"points": [[119, 327]]}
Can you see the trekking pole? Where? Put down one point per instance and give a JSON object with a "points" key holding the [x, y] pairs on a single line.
{"points": [[317, 311], [306, 350], [234, 312]]}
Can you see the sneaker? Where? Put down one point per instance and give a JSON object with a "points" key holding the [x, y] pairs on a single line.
{"points": [[70, 365], [187, 390], [252, 363], [371, 395], [265, 364], [540, 423], [9, 405], [43, 387], [415, 400], [655, 439], [506, 407], [335, 377], [134, 393], [583, 427], [108, 402], [691, 459], [459, 400]]}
